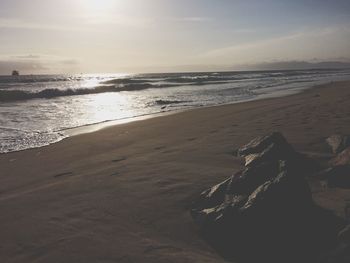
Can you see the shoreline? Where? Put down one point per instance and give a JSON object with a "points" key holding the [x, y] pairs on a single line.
{"points": [[95, 127], [122, 194], [62, 134]]}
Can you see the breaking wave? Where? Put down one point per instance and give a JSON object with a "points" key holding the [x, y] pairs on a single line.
{"points": [[14, 95], [168, 102], [17, 95]]}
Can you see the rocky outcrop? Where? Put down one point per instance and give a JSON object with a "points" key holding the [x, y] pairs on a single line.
{"points": [[343, 158], [337, 176], [274, 147], [267, 208], [338, 142], [344, 235], [338, 172], [341, 253]]}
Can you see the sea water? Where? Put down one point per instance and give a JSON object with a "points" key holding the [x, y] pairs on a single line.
{"points": [[36, 110]]}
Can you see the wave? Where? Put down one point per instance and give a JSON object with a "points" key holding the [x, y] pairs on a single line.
{"points": [[14, 95], [149, 81], [38, 79], [18, 95], [126, 81], [168, 102], [196, 79], [117, 85]]}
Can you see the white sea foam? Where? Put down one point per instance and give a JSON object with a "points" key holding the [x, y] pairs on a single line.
{"points": [[35, 110]]}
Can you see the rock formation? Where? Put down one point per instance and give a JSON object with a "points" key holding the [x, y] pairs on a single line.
{"points": [[266, 211], [338, 174], [338, 142]]}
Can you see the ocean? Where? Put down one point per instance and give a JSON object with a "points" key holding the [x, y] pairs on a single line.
{"points": [[37, 110]]}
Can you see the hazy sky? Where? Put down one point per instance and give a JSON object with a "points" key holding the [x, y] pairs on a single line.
{"points": [[91, 36]]}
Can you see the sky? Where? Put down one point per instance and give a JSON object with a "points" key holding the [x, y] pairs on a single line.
{"points": [[125, 36]]}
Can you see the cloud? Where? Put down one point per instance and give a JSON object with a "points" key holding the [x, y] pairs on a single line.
{"points": [[117, 20], [27, 56], [296, 65], [36, 64], [137, 22], [12, 23], [244, 30], [252, 45], [6, 66], [195, 19], [70, 62], [322, 43]]}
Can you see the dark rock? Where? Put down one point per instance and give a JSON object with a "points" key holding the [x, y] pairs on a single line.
{"points": [[250, 193], [337, 176], [279, 193], [213, 196], [342, 158], [246, 181], [266, 148], [347, 212], [274, 147], [266, 210], [259, 144], [340, 254], [338, 142], [344, 235]]}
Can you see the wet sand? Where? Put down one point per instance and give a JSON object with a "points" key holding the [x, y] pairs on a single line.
{"points": [[122, 194]]}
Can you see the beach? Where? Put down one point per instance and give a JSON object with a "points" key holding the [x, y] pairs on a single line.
{"points": [[123, 193], [38, 110]]}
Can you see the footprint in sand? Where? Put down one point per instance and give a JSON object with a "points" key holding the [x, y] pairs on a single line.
{"points": [[152, 248], [120, 159], [115, 174], [63, 174], [160, 147]]}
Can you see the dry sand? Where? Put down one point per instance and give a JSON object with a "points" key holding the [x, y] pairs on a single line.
{"points": [[122, 194]]}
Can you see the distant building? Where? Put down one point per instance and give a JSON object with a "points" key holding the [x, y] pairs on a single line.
{"points": [[15, 73]]}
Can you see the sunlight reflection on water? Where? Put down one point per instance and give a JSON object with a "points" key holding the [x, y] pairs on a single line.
{"points": [[38, 121]]}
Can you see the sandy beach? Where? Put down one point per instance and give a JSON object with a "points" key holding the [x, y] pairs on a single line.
{"points": [[122, 194]]}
